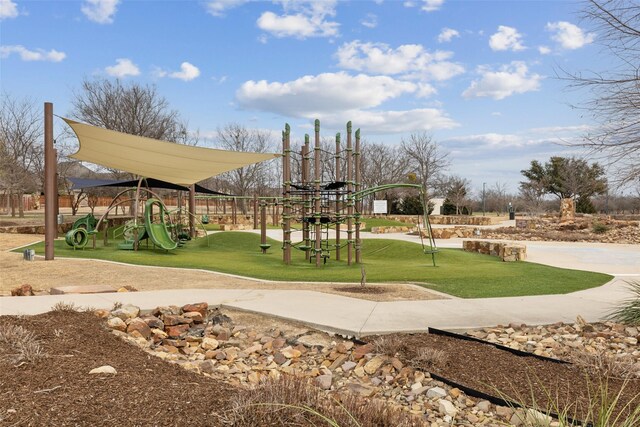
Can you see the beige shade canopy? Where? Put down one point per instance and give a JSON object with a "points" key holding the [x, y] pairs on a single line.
{"points": [[152, 158]]}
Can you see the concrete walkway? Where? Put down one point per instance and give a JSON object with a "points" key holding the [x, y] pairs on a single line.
{"points": [[356, 317]]}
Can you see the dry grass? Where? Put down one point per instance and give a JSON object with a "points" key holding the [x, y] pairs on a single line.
{"points": [[389, 344], [65, 307], [429, 358], [605, 365], [291, 401], [19, 345]]}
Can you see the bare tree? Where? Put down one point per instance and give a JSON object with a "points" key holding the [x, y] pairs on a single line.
{"points": [[129, 108], [21, 150], [426, 159], [249, 179], [615, 92]]}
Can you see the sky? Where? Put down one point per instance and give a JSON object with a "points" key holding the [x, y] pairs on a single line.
{"points": [[479, 76]]}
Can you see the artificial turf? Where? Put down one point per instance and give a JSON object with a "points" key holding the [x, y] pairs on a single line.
{"points": [[459, 273]]}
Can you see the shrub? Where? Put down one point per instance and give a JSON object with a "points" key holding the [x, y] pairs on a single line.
{"points": [[599, 228], [21, 344], [628, 312]]}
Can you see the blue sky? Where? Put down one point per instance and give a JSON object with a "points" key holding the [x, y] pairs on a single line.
{"points": [[478, 75]]}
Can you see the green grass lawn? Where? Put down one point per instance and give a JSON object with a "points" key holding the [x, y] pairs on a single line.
{"points": [[458, 273]]}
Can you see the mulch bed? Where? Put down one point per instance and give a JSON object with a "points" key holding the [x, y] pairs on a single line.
{"points": [[525, 380], [146, 391]]}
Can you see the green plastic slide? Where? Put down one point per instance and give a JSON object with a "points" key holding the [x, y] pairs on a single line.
{"points": [[158, 231]]}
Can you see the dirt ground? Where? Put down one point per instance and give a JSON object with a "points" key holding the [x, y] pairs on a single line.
{"points": [[43, 275]]}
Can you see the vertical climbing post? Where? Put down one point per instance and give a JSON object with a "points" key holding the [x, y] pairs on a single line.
{"points": [[350, 205], [358, 204], [263, 227], [305, 198], [316, 194], [286, 196], [338, 197], [50, 184]]}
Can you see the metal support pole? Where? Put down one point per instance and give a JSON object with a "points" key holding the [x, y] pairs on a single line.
{"points": [[316, 195], [358, 204], [51, 227], [192, 210], [338, 197], [350, 199]]}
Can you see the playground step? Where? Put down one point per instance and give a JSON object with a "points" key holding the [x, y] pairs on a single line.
{"points": [[88, 289], [126, 246]]}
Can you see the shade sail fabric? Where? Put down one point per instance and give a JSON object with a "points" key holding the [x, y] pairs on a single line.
{"points": [[152, 158], [149, 182]]}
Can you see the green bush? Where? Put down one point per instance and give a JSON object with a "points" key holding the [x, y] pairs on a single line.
{"points": [[599, 228]]}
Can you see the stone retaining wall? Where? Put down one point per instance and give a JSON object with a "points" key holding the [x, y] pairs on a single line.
{"points": [[508, 252], [460, 220]]}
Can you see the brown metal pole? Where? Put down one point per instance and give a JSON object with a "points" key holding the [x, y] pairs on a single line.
{"points": [[50, 193], [316, 194], [192, 210], [349, 196], [338, 215], [356, 160]]}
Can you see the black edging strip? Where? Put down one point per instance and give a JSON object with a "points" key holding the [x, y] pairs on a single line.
{"points": [[479, 394], [520, 353], [498, 400]]}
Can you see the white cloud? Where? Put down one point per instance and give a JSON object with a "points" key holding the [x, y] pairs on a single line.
{"points": [[491, 140], [332, 97], [123, 68], [311, 95], [544, 50], [425, 90], [219, 7], [32, 55], [100, 11], [568, 35], [187, 72], [509, 80], [496, 113], [390, 122], [507, 38], [426, 5], [370, 21], [447, 34], [301, 19], [8, 9], [410, 60]]}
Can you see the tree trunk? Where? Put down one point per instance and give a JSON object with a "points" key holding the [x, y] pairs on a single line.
{"points": [[21, 204]]}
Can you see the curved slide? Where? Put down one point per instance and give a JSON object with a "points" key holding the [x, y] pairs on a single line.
{"points": [[158, 232]]}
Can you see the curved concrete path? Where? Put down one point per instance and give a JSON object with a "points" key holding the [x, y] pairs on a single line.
{"points": [[357, 317]]}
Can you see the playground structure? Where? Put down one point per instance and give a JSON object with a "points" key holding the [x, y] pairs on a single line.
{"points": [[316, 206], [151, 221]]}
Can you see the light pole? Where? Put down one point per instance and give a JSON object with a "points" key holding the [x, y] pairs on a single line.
{"points": [[484, 186]]}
